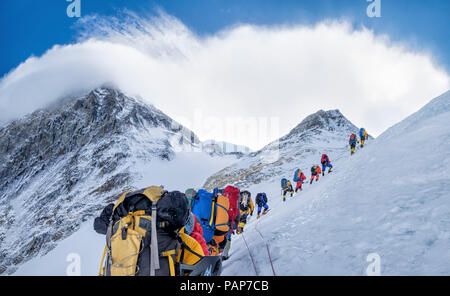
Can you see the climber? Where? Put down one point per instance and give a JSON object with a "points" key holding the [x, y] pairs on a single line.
{"points": [[233, 211], [326, 163], [246, 208], [261, 202], [286, 186], [363, 135], [211, 209], [315, 172], [299, 177], [352, 142], [191, 194], [128, 227], [193, 229]]}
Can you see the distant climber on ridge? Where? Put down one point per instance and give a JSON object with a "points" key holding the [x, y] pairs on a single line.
{"points": [[352, 142], [326, 163], [315, 172], [286, 186], [299, 177], [363, 136]]}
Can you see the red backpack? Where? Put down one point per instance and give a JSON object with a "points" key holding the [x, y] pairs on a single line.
{"points": [[233, 195]]}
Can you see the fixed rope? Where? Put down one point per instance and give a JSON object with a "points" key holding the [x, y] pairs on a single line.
{"points": [[267, 247], [251, 256]]}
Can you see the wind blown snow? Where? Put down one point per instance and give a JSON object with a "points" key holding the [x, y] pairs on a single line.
{"points": [[245, 71]]}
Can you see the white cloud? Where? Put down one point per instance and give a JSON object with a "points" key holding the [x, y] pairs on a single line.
{"points": [[245, 71]]}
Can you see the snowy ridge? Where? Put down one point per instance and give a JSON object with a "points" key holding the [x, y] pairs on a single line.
{"points": [[391, 198], [322, 132]]}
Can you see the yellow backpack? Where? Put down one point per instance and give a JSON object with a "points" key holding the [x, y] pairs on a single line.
{"points": [[133, 232], [137, 240]]}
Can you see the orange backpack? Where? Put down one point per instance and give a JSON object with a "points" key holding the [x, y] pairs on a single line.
{"points": [[221, 223]]}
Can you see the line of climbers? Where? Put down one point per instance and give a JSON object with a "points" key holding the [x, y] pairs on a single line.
{"points": [[353, 141], [299, 177], [155, 232]]}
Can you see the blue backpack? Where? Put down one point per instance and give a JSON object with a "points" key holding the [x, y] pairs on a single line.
{"points": [[296, 176], [361, 132], [283, 183], [201, 208]]}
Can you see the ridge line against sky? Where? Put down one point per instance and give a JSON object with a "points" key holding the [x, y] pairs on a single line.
{"points": [[241, 70]]}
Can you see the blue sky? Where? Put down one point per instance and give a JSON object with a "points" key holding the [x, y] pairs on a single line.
{"points": [[30, 27]]}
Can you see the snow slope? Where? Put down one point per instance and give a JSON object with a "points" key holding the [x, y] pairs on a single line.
{"points": [[392, 198]]}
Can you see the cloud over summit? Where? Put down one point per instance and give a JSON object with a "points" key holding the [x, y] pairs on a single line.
{"points": [[244, 71]]}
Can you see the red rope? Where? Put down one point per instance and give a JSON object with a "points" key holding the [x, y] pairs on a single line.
{"points": [[251, 256]]}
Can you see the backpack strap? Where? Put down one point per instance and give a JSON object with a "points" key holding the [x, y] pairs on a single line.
{"points": [[219, 205], [108, 247], [184, 246], [154, 254], [169, 255], [213, 214]]}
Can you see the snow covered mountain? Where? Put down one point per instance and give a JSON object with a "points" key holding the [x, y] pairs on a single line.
{"points": [[386, 206], [389, 201], [59, 166], [322, 132]]}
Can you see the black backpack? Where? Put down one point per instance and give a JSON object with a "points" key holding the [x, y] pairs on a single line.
{"points": [[142, 237], [261, 199]]}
